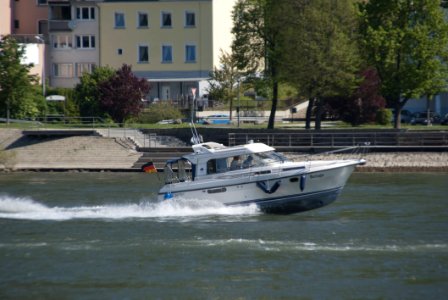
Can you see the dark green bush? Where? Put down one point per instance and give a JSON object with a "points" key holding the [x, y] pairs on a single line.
{"points": [[157, 112], [384, 116]]}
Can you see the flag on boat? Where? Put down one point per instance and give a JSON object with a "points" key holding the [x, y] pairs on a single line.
{"points": [[149, 168]]}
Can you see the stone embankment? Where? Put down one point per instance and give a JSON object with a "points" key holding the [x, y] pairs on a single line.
{"points": [[392, 161], [95, 153], [90, 153]]}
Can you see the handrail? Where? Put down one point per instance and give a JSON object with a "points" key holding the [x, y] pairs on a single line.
{"points": [[342, 139]]}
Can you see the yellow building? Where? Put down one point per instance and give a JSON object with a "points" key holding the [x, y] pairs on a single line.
{"points": [[168, 42]]}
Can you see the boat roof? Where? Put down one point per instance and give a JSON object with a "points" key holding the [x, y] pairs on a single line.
{"points": [[215, 150]]}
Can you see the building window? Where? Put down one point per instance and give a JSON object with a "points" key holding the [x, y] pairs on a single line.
{"points": [[167, 54], [16, 24], [190, 19], [63, 70], [60, 13], [42, 27], [61, 41], [41, 2], [142, 20], [85, 13], [85, 41], [190, 53], [143, 54], [166, 19], [119, 20], [82, 68], [119, 51]]}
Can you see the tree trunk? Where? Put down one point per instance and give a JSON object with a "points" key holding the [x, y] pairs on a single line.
{"points": [[274, 101], [319, 105], [309, 111], [397, 116], [231, 107], [428, 110]]}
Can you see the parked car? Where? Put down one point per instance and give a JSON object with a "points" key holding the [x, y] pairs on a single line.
{"points": [[406, 116], [216, 119], [444, 120], [170, 121], [422, 118]]}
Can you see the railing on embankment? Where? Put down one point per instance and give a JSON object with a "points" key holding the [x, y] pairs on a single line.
{"points": [[384, 141]]}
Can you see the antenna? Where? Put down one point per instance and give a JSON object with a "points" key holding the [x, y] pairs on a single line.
{"points": [[196, 139]]}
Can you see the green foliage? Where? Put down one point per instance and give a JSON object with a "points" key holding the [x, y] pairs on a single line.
{"points": [[87, 95], [257, 26], [17, 93], [407, 42], [69, 108], [383, 116], [159, 111], [320, 54], [223, 80], [121, 95]]}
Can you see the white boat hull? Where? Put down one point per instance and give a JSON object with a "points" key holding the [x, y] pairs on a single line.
{"points": [[304, 187]]}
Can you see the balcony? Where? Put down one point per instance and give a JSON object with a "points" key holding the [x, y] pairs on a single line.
{"points": [[29, 38], [61, 25], [60, 17]]}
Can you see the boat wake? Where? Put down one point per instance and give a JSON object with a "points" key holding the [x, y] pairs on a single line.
{"points": [[28, 209]]}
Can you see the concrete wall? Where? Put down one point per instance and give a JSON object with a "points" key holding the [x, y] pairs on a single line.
{"points": [[130, 37], [222, 28], [28, 13], [5, 17]]}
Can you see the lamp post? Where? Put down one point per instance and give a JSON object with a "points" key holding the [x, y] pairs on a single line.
{"points": [[193, 108], [43, 63], [238, 107]]}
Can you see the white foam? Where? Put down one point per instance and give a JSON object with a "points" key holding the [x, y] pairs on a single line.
{"points": [[298, 246], [25, 208]]}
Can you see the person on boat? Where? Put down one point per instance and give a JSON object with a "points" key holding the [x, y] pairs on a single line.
{"points": [[235, 164], [248, 162]]}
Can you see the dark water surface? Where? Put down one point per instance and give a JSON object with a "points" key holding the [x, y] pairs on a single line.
{"points": [[104, 236]]}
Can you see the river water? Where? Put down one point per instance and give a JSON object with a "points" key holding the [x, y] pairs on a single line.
{"points": [[104, 236]]}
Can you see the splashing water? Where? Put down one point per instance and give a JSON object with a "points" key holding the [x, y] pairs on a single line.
{"points": [[28, 209]]}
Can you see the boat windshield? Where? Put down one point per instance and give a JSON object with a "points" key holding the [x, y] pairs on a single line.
{"points": [[179, 170], [267, 158]]}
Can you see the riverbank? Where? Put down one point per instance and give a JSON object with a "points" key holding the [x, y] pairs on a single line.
{"points": [[393, 161], [96, 153]]}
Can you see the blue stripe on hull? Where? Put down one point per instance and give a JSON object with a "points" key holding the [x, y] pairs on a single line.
{"points": [[296, 203]]}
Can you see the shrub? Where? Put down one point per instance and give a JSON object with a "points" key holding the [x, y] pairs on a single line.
{"points": [[157, 112], [383, 116]]}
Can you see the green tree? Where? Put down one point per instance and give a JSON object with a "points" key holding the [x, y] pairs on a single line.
{"points": [[87, 95], [319, 51], [68, 108], [256, 27], [407, 42], [121, 96], [18, 98], [223, 80]]}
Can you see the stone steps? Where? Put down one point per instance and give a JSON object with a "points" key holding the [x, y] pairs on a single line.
{"points": [[74, 152]]}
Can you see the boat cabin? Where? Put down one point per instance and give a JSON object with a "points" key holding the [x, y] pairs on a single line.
{"points": [[211, 158]]}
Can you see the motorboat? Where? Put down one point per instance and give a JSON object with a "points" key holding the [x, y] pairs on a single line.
{"points": [[255, 173]]}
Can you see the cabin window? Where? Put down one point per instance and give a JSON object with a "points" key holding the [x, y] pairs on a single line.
{"points": [[211, 166], [217, 166]]}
